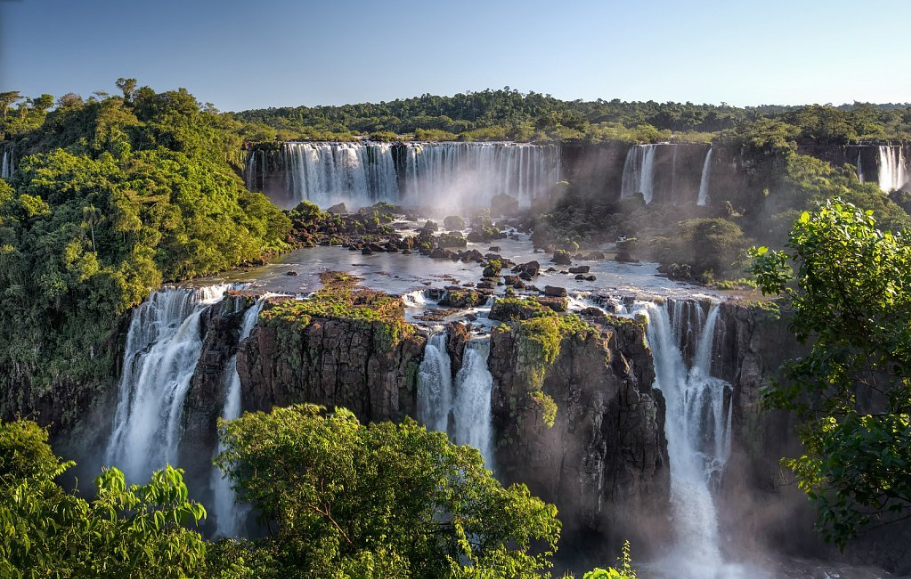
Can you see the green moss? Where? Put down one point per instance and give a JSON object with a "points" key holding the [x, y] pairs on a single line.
{"points": [[547, 406], [539, 340], [382, 313], [516, 309]]}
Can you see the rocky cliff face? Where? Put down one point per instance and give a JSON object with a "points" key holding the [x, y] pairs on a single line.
{"points": [[604, 460], [330, 360]]}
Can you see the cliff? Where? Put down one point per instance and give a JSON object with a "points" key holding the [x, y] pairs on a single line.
{"points": [[354, 352], [603, 459]]}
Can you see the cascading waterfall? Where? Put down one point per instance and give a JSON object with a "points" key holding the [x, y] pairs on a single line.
{"points": [[229, 517], [703, 198], [162, 349], [859, 167], [639, 172], [355, 173], [892, 170], [471, 408], [435, 385], [463, 409], [698, 432], [6, 164], [437, 174]]}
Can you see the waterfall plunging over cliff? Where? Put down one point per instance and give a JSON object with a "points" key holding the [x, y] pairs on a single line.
{"points": [[354, 173], [471, 408], [435, 385], [446, 174], [229, 516], [162, 349], [7, 163], [698, 424], [703, 198], [639, 172], [466, 401], [892, 170]]}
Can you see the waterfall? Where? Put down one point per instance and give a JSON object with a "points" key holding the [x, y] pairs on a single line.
{"points": [[229, 517], [859, 167], [162, 348], [435, 385], [471, 409], [465, 416], [7, 163], [697, 427], [639, 172], [703, 198], [420, 174], [892, 173]]}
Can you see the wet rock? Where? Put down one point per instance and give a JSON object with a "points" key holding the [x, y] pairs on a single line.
{"points": [[292, 273], [453, 223], [494, 249], [562, 257], [530, 269], [337, 209], [555, 291], [440, 253], [559, 305], [579, 269]]}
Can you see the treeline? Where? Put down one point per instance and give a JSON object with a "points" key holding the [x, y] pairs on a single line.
{"points": [[509, 114], [110, 198], [334, 498]]}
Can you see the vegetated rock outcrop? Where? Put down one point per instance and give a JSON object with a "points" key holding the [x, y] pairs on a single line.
{"points": [[343, 347], [577, 420]]}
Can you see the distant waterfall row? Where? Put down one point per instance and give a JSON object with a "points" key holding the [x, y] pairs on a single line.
{"points": [[460, 408], [415, 174], [698, 429]]}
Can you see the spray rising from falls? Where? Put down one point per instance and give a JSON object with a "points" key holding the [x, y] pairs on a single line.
{"points": [[892, 170], [419, 174], [461, 409], [229, 517], [162, 349], [703, 198], [698, 428], [639, 172]]}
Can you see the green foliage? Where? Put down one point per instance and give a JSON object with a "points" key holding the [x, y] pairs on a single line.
{"points": [[382, 500], [137, 531], [111, 198], [625, 571], [849, 285], [546, 405]]}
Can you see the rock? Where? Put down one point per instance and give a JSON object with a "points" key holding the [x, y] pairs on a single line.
{"points": [[494, 249], [595, 255], [430, 227], [580, 269], [451, 239], [367, 251], [337, 209], [562, 257], [559, 305], [291, 273], [531, 269], [555, 291], [590, 278], [440, 253], [503, 204], [604, 462], [454, 222]]}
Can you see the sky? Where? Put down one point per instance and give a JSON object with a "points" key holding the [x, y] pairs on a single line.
{"points": [[243, 55]]}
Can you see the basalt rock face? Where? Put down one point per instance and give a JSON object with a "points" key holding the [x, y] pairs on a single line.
{"points": [[604, 462], [206, 395], [332, 362], [760, 507]]}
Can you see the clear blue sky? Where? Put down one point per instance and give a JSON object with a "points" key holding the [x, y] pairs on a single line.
{"points": [[250, 54]]}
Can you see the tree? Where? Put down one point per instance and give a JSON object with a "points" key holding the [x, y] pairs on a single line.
{"points": [[850, 293], [381, 500], [7, 99], [128, 86], [136, 531]]}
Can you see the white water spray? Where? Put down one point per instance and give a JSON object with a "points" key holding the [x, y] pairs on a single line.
{"points": [[229, 516], [163, 347]]}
